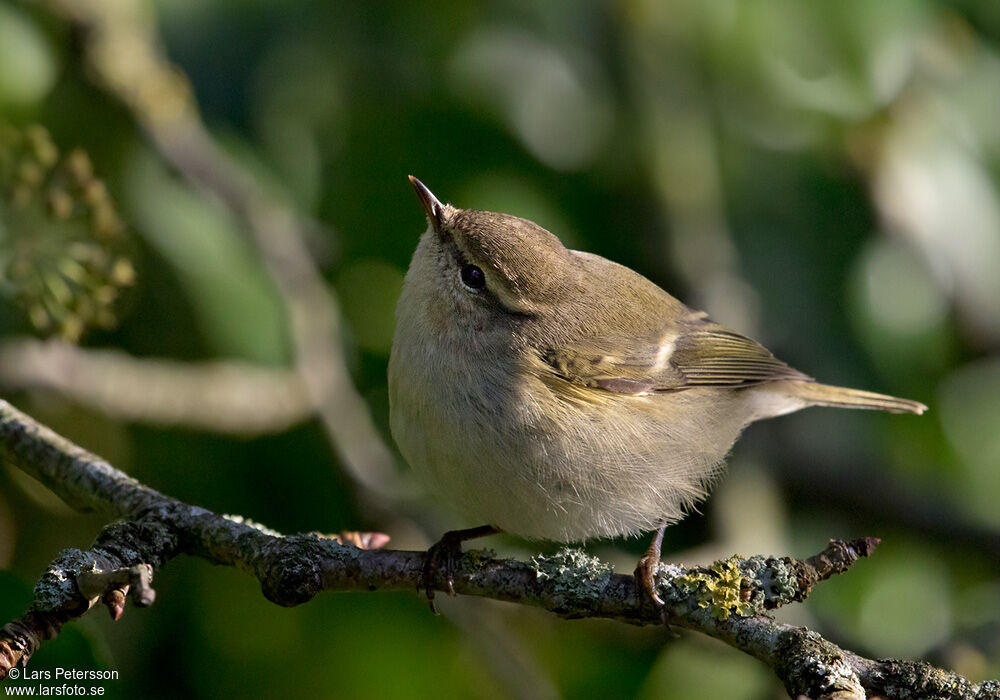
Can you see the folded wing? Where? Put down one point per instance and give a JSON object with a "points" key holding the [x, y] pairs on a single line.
{"points": [[690, 353]]}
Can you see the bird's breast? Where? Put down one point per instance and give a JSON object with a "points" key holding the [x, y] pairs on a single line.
{"points": [[506, 444]]}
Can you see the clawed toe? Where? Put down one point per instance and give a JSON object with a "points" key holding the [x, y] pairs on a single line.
{"points": [[645, 580], [645, 573], [442, 558]]}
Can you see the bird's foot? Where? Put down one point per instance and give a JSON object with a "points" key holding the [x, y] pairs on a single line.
{"points": [[443, 557], [645, 585], [645, 579], [645, 575]]}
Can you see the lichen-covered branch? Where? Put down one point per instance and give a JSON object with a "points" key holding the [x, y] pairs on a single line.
{"points": [[727, 600]]}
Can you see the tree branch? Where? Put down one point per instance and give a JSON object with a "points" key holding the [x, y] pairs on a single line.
{"points": [[727, 600], [233, 398], [158, 96]]}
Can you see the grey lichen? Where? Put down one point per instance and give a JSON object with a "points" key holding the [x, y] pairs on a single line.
{"points": [[574, 574], [988, 690], [291, 568], [733, 586], [811, 666], [911, 679], [776, 581], [120, 545], [240, 520], [57, 586]]}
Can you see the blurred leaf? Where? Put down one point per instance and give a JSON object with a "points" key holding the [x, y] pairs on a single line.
{"points": [[8, 533], [970, 413], [695, 667], [508, 193], [238, 311], [298, 140], [37, 492], [368, 290], [942, 196], [15, 595], [899, 309], [557, 104], [27, 66], [906, 609]]}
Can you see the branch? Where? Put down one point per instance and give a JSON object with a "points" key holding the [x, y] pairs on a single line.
{"points": [[158, 96], [727, 600], [839, 485], [232, 398]]}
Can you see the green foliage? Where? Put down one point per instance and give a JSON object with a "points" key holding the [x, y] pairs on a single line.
{"points": [[62, 244], [825, 176]]}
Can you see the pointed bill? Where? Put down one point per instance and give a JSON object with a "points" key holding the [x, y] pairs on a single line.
{"points": [[432, 205]]}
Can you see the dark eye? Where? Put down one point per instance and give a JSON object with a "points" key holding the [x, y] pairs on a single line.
{"points": [[473, 277]]}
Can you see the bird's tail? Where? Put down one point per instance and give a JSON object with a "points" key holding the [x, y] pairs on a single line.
{"points": [[841, 397]]}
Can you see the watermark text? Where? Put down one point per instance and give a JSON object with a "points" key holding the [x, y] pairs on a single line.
{"points": [[57, 682]]}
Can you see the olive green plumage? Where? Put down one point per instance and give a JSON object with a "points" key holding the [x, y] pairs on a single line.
{"points": [[558, 395]]}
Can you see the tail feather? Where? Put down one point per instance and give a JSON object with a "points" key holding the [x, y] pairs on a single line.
{"points": [[841, 397]]}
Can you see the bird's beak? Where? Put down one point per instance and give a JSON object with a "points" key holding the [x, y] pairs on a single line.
{"points": [[432, 205]]}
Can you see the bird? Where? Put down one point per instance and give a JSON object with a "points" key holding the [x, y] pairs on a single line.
{"points": [[556, 395]]}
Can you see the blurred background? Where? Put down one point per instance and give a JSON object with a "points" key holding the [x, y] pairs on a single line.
{"points": [[204, 226]]}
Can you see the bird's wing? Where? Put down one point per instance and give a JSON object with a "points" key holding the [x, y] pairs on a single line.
{"points": [[696, 352]]}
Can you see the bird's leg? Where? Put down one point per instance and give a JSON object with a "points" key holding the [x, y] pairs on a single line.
{"points": [[645, 570], [444, 555]]}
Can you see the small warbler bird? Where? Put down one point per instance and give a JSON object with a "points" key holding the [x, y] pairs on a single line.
{"points": [[556, 395]]}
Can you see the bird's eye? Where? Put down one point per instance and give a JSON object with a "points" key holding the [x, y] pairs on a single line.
{"points": [[473, 277]]}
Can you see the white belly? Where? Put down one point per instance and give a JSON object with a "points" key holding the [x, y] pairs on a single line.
{"points": [[544, 465]]}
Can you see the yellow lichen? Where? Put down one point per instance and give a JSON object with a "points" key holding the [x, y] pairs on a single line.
{"points": [[717, 588]]}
